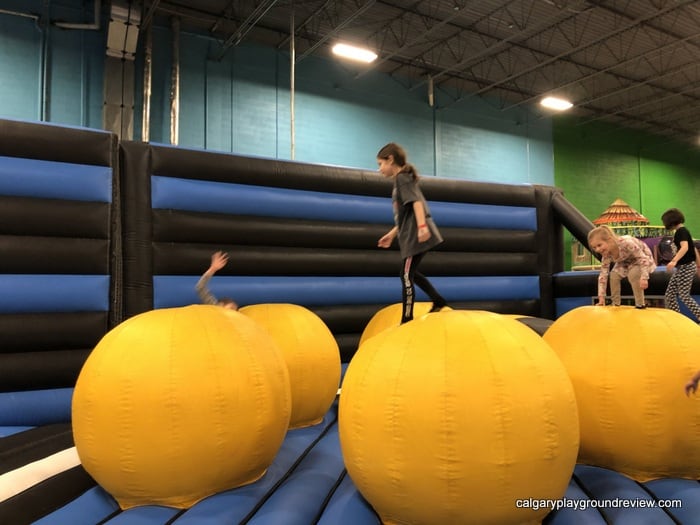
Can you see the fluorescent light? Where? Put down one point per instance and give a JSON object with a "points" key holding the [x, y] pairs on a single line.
{"points": [[559, 104], [354, 53]]}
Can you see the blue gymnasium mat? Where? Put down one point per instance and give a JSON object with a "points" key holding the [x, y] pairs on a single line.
{"points": [[307, 484]]}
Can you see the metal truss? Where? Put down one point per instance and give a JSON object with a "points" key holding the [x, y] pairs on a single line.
{"points": [[631, 61]]}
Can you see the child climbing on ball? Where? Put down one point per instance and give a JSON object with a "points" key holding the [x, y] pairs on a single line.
{"points": [[632, 260], [692, 385], [218, 261]]}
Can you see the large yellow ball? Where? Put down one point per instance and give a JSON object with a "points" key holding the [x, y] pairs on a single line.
{"points": [[629, 368], [311, 353], [390, 317], [452, 418], [177, 404]]}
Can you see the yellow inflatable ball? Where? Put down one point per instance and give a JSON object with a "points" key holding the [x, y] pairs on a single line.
{"points": [[390, 317], [311, 353], [629, 368], [453, 418], [177, 404]]}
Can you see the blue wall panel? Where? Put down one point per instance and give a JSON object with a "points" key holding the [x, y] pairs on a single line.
{"points": [[218, 111], [20, 66], [193, 89], [48, 73], [36, 407], [476, 144], [172, 290], [218, 197], [53, 293], [241, 102], [54, 180]]}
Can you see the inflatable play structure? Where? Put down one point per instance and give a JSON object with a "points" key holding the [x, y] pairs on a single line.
{"points": [[97, 234]]}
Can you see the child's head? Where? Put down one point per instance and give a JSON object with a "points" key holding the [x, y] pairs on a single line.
{"points": [[600, 239], [392, 160], [672, 218], [393, 153], [228, 303]]}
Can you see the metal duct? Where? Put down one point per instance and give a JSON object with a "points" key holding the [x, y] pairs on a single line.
{"points": [[123, 29], [147, 78], [119, 77], [175, 84], [92, 27]]}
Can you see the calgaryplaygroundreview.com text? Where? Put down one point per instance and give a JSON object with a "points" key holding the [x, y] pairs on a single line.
{"points": [[583, 504]]}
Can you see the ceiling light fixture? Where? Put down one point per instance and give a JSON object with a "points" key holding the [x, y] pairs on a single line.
{"points": [[354, 53], [558, 104]]}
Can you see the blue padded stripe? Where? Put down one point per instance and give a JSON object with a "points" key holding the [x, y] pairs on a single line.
{"points": [[233, 506], [243, 199], [604, 484], [9, 430], [53, 293], [576, 516], [298, 500], [564, 304], [674, 488], [145, 515], [348, 507], [36, 407], [55, 180], [484, 216], [170, 291], [89, 508]]}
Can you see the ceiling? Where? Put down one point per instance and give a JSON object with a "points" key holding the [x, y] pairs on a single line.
{"points": [[632, 63]]}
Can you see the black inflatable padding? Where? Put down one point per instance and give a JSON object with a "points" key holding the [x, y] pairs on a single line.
{"points": [[235, 230], [57, 143], [179, 259], [538, 324], [33, 332], [52, 255], [574, 221], [54, 218], [41, 370]]}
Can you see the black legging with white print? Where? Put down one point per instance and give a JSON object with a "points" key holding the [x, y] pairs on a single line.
{"points": [[679, 288], [410, 276]]}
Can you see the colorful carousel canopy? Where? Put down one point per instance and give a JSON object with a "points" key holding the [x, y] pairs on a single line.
{"points": [[620, 213]]}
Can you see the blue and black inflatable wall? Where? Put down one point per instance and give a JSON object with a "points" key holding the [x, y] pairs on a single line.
{"points": [[59, 262], [307, 234]]}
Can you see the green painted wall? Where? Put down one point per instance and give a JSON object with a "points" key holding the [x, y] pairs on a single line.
{"points": [[594, 164]]}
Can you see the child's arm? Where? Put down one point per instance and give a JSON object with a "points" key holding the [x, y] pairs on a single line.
{"points": [[218, 261], [603, 280], [692, 385], [388, 238], [421, 226], [680, 253]]}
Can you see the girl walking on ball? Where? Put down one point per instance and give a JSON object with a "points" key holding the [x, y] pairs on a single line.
{"points": [[683, 261], [414, 227]]}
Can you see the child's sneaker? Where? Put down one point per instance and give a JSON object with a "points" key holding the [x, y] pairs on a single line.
{"points": [[438, 307]]}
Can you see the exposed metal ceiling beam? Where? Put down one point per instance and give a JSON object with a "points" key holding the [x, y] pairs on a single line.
{"points": [[637, 84], [388, 56], [647, 102], [306, 22], [226, 13], [149, 14], [501, 44], [248, 24], [336, 29], [642, 56], [625, 27]]}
